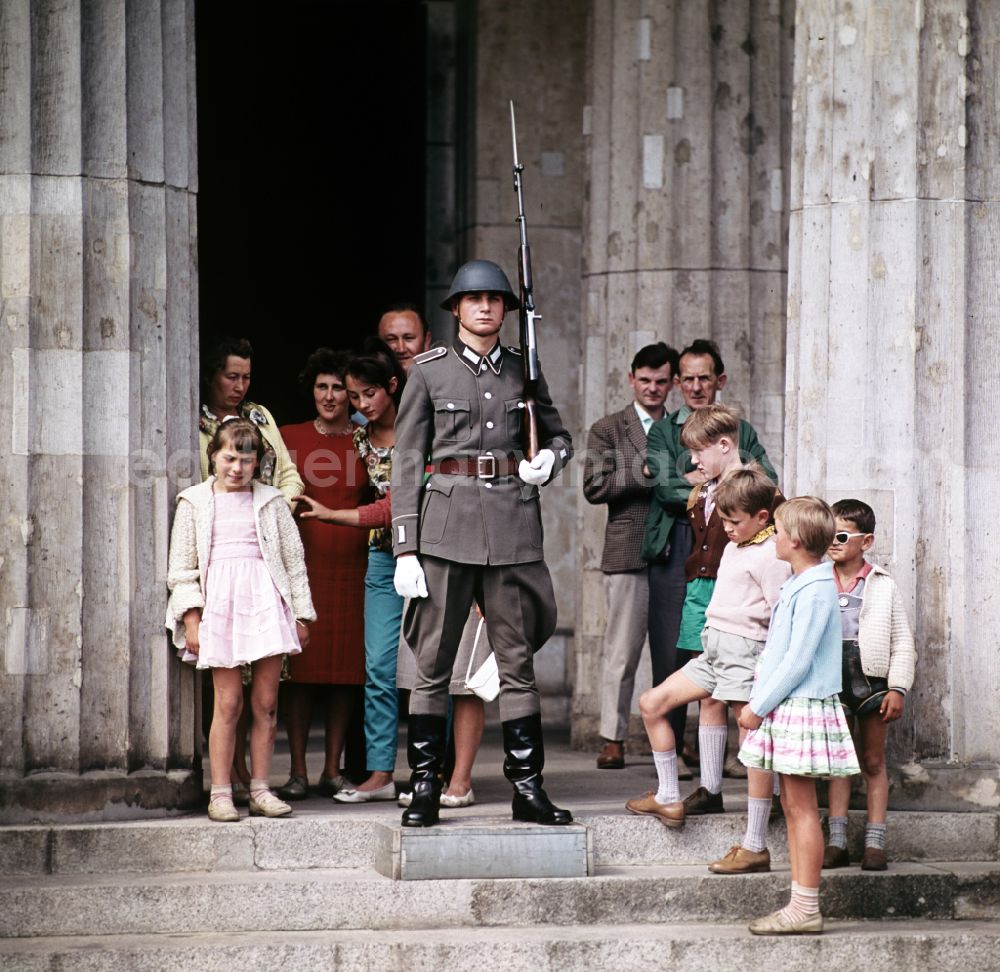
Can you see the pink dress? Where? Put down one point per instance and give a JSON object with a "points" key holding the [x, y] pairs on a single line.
{"points": [[244, 618]]}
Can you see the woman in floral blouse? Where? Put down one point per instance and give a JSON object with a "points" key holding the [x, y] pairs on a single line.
{"points": [[375, 383]]}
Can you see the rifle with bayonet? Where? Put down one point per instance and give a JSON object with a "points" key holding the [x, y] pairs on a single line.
{"points": [[526, 313]]}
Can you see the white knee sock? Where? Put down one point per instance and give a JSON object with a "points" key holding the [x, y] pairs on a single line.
{"points": [[712, 747], [758, 812], [666, 774]]}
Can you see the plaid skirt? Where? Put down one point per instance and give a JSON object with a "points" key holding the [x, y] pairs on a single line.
{"points": [[803, 737]]}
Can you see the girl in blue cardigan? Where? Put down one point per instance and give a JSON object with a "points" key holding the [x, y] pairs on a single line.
{"points": [[797, 726]]}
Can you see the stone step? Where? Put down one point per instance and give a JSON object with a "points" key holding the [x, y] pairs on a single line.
{"points": [[347, 898], [503, 850], [883, 946], [321, 836]]}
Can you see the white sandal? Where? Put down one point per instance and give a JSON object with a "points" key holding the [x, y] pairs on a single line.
{"points": [[267, 804]]}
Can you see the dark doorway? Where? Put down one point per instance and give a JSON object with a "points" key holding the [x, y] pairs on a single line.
{"points": [[311, 176]]}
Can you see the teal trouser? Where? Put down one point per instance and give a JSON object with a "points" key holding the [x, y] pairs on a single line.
{"points": [[383, 617]]}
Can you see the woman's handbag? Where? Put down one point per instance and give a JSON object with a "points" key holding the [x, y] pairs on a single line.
{"points": [[485, 680]]}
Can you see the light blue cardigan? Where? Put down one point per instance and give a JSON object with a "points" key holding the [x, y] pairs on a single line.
{"points": [[802, 657]]}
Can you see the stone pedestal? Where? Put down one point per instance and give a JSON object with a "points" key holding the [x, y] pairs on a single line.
{"points": [[893, 374], [98, 344], [686, 135]]}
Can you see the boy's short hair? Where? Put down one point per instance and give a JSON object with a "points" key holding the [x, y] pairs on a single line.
{"points": [[705, 426], [810, 521], [747, 490], [859, 513]]}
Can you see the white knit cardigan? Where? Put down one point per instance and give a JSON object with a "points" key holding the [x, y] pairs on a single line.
{"points": [[191, 548], [884, 634]]}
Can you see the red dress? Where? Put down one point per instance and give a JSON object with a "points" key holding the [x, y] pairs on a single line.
{"points": [[336, 557]]}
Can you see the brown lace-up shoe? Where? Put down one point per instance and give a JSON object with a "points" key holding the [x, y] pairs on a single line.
{"points": [[669, 814], [612, 756], [874, 859], [739, 860], [835, 857]]}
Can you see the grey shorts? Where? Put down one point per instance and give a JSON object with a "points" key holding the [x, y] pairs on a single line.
{"points": [[725, 668]]}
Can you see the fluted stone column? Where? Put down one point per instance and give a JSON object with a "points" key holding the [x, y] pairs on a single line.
{"points": [[686, 138], [893, 315], [98, 351]]}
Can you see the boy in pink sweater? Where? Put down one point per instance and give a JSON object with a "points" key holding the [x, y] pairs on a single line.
{"points": [[748, 583]]}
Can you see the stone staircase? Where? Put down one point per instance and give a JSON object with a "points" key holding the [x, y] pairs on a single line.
{"points": [[303, 894], [311, 892]]}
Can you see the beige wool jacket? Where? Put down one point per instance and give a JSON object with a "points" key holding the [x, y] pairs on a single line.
{"points": [[884, 634], [191, 548]]}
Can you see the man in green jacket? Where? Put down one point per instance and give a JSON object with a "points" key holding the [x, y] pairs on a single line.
{"points": [[667, 543]]}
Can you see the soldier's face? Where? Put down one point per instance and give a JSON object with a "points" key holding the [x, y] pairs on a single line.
{"points": [[480, 314]]}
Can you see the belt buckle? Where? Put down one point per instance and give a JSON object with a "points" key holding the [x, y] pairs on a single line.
{"points": [[486, 462]]}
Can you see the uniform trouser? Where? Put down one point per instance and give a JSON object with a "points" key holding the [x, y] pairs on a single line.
{"points": [[667, 585], [518, 603], [383, 616], [628, 610]]}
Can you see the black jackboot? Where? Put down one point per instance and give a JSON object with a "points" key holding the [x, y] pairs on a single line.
{"points": [[522, 742], [425, 749]]}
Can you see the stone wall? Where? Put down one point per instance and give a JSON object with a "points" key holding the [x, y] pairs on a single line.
{"points": [[98, 348], [687, 140], [893, 312]]}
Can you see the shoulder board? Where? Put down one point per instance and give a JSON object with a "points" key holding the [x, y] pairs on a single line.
{"points": [[431, 355], [512, 349]]}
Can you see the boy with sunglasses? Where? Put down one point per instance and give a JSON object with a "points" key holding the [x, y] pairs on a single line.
{"points": [[878, 665]]}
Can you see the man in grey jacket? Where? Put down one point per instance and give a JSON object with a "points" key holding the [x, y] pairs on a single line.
{"points": [[613, 474], [467, 527]]}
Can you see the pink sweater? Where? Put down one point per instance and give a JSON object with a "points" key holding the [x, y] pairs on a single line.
{"points": [[747, 587]]}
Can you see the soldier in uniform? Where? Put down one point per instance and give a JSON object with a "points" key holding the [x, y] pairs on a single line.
{"points": [[467, 527]]}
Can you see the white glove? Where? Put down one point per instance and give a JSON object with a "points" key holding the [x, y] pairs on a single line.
{"points": [[537, 471], [409, 578]]}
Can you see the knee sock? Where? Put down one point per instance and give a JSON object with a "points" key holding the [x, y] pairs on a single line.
{"points": [[666, 774], [258, 788], [712, 746], [223, 790], [875, 835], [804, 903], [758, 812], [838, 831]]}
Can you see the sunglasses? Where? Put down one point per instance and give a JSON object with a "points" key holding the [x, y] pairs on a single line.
{"points": [[843, 536]]}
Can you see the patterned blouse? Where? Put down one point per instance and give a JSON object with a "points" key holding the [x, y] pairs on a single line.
{"points": [[378, 462]]}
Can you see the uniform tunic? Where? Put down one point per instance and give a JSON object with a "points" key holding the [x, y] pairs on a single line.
{"points": [[460, 405]]}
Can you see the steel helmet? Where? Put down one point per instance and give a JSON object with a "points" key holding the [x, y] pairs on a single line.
{"points": [[478, 275]]}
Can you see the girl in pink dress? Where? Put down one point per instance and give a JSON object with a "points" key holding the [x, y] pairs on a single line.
{"points": [[239, 595]]}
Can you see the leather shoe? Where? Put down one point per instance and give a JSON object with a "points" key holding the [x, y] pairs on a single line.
{"points": [[387, 792], [612, 756], [739, 860], [466, 800], [669, 814], [327, 787], [295, 789], [702, 802], [733, 769], [778, 923], [683, 771], [835, 857], [874, 859]]}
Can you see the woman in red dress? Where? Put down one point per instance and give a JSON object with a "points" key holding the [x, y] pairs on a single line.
{"points": [[336, 558]]}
